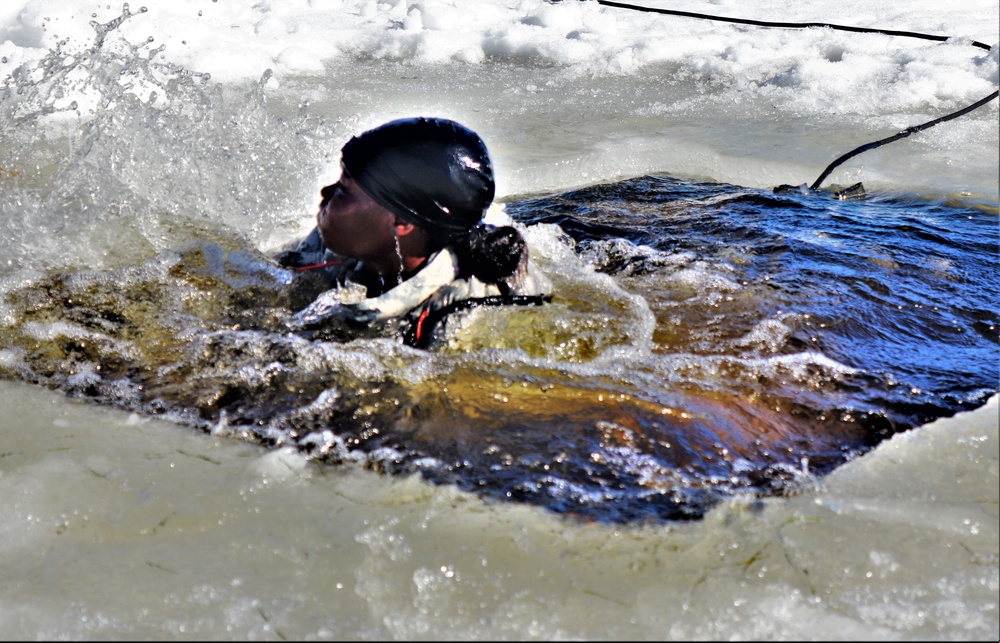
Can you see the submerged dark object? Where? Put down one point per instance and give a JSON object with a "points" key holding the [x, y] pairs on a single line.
{"points": [[855, 191]]}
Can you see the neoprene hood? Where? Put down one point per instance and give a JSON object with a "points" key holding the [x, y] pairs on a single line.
{"points": [[432, 172]]}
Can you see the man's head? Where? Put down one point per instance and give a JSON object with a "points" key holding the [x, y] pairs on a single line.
{"points": [[408, 188], [433, 172]]}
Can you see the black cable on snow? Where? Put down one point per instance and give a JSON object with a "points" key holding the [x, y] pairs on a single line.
{"points": [[806, 25]]}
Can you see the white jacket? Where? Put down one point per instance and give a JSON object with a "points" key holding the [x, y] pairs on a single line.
{"points": [[415, 307]]}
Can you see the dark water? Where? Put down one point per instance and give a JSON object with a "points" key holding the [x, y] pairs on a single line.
{"points": [[903, 290], [704, 340]]}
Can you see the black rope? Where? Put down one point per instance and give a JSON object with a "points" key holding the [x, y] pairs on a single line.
{"points": [[903, 134], [805, 25], [786, 25]]}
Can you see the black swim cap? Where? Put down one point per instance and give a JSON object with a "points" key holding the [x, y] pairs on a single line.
{"points": [[433, 172]]}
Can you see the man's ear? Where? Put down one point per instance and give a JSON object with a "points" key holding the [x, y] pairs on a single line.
{"points": [[403, 227]]}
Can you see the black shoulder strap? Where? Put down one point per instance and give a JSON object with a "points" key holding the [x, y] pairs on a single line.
{"points": [[418, 333]]}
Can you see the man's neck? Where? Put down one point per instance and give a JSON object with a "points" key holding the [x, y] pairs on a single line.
{"points": [[380, 278]]}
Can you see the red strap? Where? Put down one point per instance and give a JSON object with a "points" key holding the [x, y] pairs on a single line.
{"points": [[420, 325], [320, 265]]}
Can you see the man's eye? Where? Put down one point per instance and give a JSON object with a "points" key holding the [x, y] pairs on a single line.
{"points": [[331, 190]]}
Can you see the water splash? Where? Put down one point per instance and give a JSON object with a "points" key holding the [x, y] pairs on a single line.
{"points": [[111, 147]]}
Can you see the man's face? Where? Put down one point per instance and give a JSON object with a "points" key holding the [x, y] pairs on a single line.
{"points": [[352, 224]]}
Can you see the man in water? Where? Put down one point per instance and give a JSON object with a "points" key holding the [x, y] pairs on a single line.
{"points": [[404, 223]]}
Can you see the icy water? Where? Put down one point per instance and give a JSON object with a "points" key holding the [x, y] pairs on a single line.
{"points": [[702, 341], [722, 426]]}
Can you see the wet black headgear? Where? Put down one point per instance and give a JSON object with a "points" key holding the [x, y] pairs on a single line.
{"points": [[433, 172]]}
